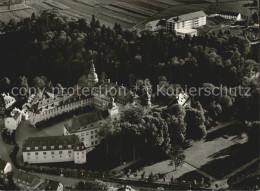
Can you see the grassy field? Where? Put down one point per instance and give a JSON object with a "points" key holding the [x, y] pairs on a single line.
{"points": [[128, 13], [215, 157]]}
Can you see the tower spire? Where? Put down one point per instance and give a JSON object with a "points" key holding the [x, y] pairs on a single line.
{"points": [[92, 75]]}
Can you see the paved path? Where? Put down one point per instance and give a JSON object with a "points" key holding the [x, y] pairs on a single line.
{"points": [[202, 173], [241, 168], [222, 125]]}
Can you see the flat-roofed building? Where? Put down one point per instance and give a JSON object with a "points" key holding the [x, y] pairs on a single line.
{"points": [[183, 32], [186, 21], [230, 15], [53, 149]]}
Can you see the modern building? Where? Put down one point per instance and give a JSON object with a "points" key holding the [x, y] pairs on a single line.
{"points": [[12, 122], [53, 149], [8, 100], [26, 181], [187, 21], [156, 25], [183, 32], [230, 15], [5, 168]]}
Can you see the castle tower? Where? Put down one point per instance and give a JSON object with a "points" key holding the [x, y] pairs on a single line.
{"points": [[147, 98], [92, 76], [113, 109]]}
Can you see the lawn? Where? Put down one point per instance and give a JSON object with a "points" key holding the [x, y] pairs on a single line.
{"points": [[215, 157]]}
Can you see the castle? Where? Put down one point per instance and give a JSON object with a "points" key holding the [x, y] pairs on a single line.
{"points": [[101, 97]]}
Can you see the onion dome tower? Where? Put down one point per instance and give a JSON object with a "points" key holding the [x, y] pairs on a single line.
{"points": [[92, 75]]}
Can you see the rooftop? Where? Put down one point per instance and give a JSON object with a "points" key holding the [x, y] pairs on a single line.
{"points": [[27, 179], [84, 121], [51, 141], [188, 16], [229, 13], [186, 30], [49, 185]]}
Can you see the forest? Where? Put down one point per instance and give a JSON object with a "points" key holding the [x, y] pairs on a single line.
{"points": [[53, 50]]}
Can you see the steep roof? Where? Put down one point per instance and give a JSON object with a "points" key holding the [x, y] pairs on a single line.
{"points": [[188, 16], [83, 121], [27, 179], [55, 141]]}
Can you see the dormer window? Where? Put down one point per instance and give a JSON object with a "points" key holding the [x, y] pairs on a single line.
{"points": [[36, 148], [69, 146], [60, 146], [52, 147], [28, 148], [44, 147]]}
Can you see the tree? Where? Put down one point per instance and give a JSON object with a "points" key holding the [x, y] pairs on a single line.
{"points": [[195, 120], [255, 17], [5, 85], [132, 115], [215, 110], [177, 156]]}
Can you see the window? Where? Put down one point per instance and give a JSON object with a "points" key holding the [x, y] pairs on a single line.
{"points": [[95, 131], [92, 137], [36, 153], [83, 152], [44, 153], [28, 154], [52, 153], [60, 152], [69, 146], [36, 148], [92, 143], [96, 142], [82, 139], [60, 146], [44, 147], [92, 132], [28, 148], [69, 152], [77, 153]]}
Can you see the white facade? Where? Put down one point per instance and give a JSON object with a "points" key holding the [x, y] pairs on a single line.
{"points": [[188, 21], [54, 153], [183, 32], [12, 122], [56, 108], [237, 17], [8, 100], [89, 137]]}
